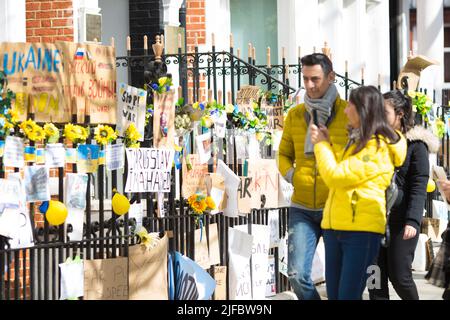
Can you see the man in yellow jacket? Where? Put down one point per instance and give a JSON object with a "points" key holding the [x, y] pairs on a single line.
{"points": [[297, 165]]}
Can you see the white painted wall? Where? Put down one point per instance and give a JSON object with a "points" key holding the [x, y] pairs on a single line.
{"points": [[12, 21]]}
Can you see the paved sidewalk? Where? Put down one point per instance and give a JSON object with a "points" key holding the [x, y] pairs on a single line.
{"points": [[426, 290]]}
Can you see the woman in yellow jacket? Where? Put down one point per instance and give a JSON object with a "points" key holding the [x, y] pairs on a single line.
{"points": [[354, 217]]}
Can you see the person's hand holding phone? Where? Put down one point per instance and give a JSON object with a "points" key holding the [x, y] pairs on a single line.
{"points": [[318, 132]]}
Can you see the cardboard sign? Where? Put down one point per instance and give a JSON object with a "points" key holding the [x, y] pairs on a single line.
{"points": [[13, 155], [201, 249], [248, 197], [264, 174], [193, 179], [164, 120], [131, 109], [213, 244], [275, 117], [36, 69], [106, 279], [149, 169], [37, 183], [148, 271], [220, 275], [246, 94], [90, 78]]}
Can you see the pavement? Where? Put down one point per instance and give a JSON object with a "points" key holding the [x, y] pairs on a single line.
{"points": [[426, 290]]}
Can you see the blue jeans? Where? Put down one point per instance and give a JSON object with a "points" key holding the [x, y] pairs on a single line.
{"points": [[348, 254], [304, 233]]}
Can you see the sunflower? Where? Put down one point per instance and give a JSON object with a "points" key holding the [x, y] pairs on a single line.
{"points": [[104, 134], [210, 203], [132, 136], [199, 206], [14, 116], [37, 134], [75, 133], [51, 132], [27, 126], [192, 199], [83, 133]]}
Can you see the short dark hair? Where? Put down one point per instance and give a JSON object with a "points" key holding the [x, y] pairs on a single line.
{"points": [[401, 104], [369, 105], [318, 59]]}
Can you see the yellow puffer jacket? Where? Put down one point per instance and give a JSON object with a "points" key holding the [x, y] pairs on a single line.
{"points": [[357, 200], [309, 189]]}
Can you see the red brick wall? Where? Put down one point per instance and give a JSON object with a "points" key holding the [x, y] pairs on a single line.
{"points": [[49, 21], [195, 25]]}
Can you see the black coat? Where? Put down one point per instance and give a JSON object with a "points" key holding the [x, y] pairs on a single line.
{"points": [[412, 178]]}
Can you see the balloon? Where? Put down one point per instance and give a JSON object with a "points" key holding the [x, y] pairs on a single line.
{"points": [[431, 185], [120, 203], [55, 212]]}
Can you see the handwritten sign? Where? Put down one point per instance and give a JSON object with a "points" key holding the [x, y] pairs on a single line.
{"points": [[13, 155], [247, 94], [55, 155], [36, 69], [275, 117], [271, 287], [264, 174], [37, 183], [10, 191], [149, 169], [164, 120], [131, 109], [274, 225], [90, 77], [201, 249], [148, 271], [115, 156], [106, 279], [193, 179], [220, 275], [240, 251], [248, 198]]}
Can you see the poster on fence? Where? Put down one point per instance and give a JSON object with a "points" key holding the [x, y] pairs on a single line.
{"points": [[164, 120], [87, 158], [201, 248], [239, 251], [149, 169], [131, 109], [36, 69], [220, 275], [37, 183], [285, 191], [191, 281], [274, 225], [248, 198], [115, 156], [275, 117], [231, 186], [216, 186], [264, 174], [148, 271], [283, 255], [75, 218], [76, 186], [55, 155], [90, 78], [10, 191], [72, 278], [13, 155], [259, 258], [106, 279], [271, 287], [246, 95], [193, 178]]}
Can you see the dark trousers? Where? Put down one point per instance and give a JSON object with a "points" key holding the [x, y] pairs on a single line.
{"points": [[395, 263], [348, 254]]}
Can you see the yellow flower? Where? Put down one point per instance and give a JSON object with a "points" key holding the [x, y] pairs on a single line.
{"points": [[259, 136], [51, 132], [162, 81], [146, 238], [104, 134], [229, 108], [14, 115], [37, 134], [27, 126], [210, 203], [132, 136], [199, 206], [135, 145], [192, 199], [75, 133], [82, 133]]}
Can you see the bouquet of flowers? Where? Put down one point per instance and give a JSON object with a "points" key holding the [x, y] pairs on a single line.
{"points": [[199, 203], [32, 131]]}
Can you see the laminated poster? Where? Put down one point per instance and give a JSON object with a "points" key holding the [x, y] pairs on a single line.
{"points": [[87, 158], [37, 183], [115, 156], [76, 187], [55, 155], [13, 155]]}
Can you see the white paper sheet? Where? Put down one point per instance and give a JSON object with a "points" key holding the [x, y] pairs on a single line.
{"points": [[13, 155], [231, 186], [72, 279], [55, 155], [239, 251]]}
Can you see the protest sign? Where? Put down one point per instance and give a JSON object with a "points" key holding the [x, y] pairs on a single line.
{"points": [[131, 109], [164, 120]]}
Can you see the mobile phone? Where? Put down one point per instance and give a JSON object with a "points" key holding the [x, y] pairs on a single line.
{"points": [[315, 118]]}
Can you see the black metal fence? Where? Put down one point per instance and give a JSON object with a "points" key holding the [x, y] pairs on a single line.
{"points": [[33, 273]]}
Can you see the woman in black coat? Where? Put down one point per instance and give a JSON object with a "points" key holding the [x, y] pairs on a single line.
{"points": [[405, 218]]}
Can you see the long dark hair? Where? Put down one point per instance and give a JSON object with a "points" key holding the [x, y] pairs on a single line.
{"points": [[401, 104], [369, 105]]}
